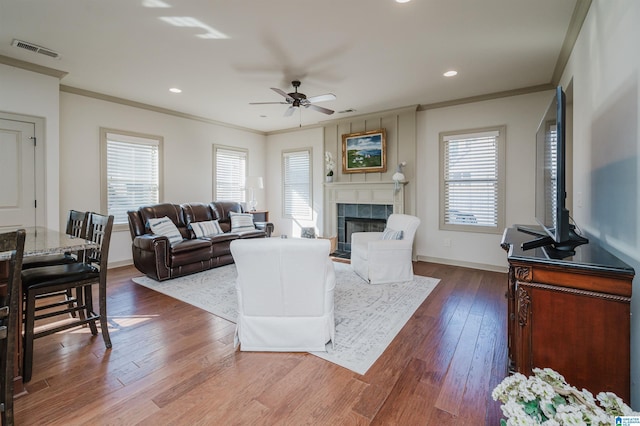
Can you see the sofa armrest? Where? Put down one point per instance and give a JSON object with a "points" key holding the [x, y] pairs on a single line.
{"points": [[151, 256]]}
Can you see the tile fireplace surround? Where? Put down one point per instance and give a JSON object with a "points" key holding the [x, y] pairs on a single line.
{"points": [[360, 196]]}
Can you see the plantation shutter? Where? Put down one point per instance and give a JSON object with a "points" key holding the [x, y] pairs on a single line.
{"points": [[297, 184], [132, 174], [471, 185], [230, 174]]}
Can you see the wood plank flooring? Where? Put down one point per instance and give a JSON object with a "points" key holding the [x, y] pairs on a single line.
{"points": [[174, 364]]}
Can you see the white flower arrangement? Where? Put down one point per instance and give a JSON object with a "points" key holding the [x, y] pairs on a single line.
{"points": [[546, 399], [329, 164]]}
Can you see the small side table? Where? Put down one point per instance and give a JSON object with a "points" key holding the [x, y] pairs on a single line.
{"points": [[261, 221], [260, 215]]}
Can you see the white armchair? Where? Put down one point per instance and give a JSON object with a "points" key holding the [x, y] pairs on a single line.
{"points": [[285, 294], [380, 261]]}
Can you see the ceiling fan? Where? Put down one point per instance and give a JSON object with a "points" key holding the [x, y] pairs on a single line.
{"points": [[296, 100]]}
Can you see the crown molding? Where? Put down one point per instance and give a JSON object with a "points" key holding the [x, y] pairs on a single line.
{"points": [[134, 104], [17, 63], [575, 26], [488, 96]]}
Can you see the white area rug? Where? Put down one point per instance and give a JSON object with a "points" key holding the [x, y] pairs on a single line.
{"points": [[368, 317]]}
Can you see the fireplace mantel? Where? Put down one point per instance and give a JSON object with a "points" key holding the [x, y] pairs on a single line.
{"points": [[359, 193]]}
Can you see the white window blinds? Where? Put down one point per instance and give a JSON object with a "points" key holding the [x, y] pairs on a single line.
{"points": [[132, 174], [297, 184], [230, 174], [471, 187]]}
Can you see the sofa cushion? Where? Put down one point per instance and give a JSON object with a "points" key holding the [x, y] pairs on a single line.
{"points": [[197, 212], [190, 251], [164, 226], [241, 222], [207, 228]]}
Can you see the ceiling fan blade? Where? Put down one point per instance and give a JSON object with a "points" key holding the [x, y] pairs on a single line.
{"points": [[320, 109], [268, 103], [322, 98], [289, 111], [283, 93]]}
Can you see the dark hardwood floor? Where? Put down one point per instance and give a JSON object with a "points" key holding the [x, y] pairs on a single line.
{"points": [[172, 363]]}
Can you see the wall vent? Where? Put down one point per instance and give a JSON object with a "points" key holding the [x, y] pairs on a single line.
{"points": [[35, 48]]}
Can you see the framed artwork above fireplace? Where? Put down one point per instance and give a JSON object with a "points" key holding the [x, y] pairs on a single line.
{"points": [[364, 152]]}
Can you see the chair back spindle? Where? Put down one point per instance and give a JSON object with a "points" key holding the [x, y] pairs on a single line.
{"points": [[13, 242]]}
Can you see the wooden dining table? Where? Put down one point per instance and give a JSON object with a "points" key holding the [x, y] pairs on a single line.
{"points": [[38, 241]]}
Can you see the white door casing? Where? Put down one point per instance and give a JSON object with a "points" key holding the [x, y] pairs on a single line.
{"points": [[21, 172]]}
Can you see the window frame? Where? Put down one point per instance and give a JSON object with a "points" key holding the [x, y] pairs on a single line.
{"points": [[500, 179], [293, 215], [129, 137], [242, 192]]}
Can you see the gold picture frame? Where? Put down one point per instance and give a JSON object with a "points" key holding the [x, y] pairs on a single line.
{"points": [[364, 152]]}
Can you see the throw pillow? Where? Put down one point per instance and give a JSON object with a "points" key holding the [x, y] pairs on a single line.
{"points": [[241, 222], [390, 234], [164, 226], [207, 228]]}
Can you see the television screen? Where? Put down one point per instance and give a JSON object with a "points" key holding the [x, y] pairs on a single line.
{"points": [[550, 180], [558, 235]]}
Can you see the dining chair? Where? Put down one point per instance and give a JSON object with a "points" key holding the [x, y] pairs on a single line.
{"points": [[92, 270], [9, 304], [76, 227]]}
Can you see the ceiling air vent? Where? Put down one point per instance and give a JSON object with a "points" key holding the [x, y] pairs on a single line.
{"points": [[35, 48]]}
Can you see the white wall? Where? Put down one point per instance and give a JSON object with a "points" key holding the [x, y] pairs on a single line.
{"points": [[605, 68], [521, 116], [188, 155], [276, 143], [30, 93]]}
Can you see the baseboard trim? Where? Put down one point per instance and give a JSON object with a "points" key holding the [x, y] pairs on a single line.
{"points": [[472, 265], [120, 263]]}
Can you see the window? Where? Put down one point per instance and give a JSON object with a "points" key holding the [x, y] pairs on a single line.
{"points": [[230, 172], [131, 172], [296, 190], [472, 180]]}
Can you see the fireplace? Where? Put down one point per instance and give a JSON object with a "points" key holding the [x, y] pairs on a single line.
{"points": [[363, 200], [359, 218]]}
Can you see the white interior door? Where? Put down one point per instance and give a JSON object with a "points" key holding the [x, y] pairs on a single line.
{"points": [[18, 175]]}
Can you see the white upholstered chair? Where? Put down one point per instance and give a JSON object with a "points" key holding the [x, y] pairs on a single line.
{"points": [[380, 261], [285, 294]]}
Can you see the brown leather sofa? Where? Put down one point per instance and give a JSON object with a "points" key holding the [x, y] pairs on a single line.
{"points": [[156, 258]]}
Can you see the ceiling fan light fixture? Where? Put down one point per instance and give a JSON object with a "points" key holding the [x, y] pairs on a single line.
{"points": [[296, 99]]}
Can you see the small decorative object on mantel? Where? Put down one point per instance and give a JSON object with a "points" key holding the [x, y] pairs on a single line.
{"points": [[364, 152], [329, 164], [546, 399], [398, 176]]}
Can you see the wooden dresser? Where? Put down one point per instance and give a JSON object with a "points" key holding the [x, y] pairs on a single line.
{"points": [[571, 315]]}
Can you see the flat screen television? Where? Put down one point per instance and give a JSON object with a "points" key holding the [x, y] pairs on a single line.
{"points": [[558, 235]]}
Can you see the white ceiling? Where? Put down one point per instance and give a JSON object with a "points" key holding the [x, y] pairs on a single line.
{"points": [[373, 55]]}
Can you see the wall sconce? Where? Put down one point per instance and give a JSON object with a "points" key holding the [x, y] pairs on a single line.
{"points": [[398, 176], [253, 183]]}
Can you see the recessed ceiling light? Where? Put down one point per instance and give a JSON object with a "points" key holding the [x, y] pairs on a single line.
{"points": [[175, 90], [403, 1], [450, 73]]}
